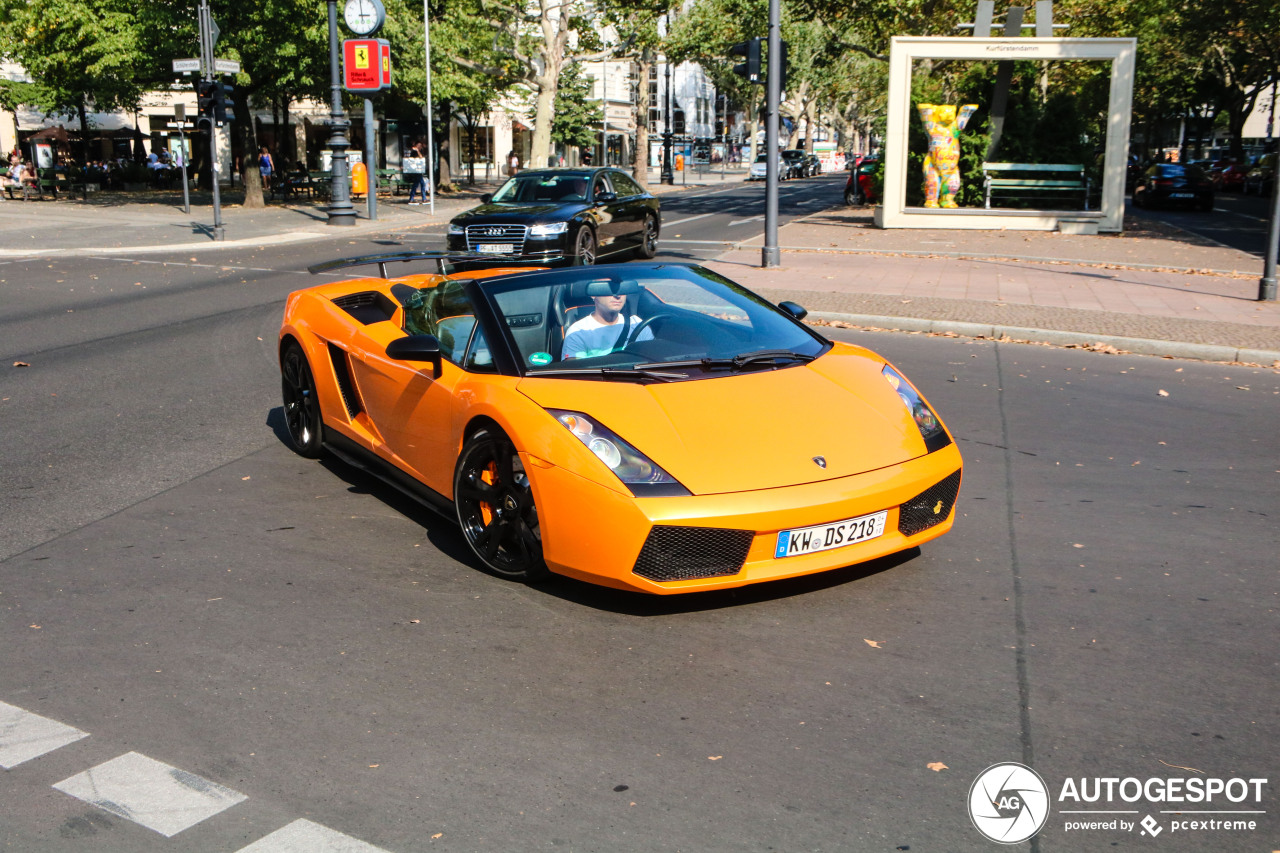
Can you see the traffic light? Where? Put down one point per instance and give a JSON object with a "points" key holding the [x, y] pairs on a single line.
{"points": [[222, 109], [750, 70], [782, 66], [204, 98]]}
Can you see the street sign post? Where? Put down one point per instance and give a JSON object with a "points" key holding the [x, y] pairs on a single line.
{"points": [[184, 66]]}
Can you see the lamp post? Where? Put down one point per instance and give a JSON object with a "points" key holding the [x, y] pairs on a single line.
{"points": [[340, 210], [668, 176]]}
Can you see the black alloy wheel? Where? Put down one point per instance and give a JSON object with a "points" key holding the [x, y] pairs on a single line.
{"points": [[496, 510], [301, 406], [649, 238], [584, 253]]}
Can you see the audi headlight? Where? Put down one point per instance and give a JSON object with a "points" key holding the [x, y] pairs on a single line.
{"points": [[548, 229], [455, 228], [640, 474], [926, 421]]}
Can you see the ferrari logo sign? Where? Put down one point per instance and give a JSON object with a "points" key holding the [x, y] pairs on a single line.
{"points": [[366, 65]]}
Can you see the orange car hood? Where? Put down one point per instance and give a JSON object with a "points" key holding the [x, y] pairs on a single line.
{"points": [[751, 431]]}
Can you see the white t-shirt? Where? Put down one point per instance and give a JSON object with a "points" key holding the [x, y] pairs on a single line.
{"points": [[589, 337]]}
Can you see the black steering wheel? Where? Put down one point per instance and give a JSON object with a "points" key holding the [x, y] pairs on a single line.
{"points": [[640, 327]]}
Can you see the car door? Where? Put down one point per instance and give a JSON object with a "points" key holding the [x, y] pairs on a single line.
{"points": [[606, 212], [410, 408], [631, 209]]}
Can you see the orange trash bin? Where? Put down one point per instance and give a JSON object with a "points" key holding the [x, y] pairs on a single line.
{"points": [[359, 179], [679, 162]]}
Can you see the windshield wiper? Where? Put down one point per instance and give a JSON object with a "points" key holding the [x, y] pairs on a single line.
{"points": [[737, 362], [609, 373]]}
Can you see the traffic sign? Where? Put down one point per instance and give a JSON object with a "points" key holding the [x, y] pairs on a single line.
{"points": [[226, 66], [179, 124], [185, 65]]}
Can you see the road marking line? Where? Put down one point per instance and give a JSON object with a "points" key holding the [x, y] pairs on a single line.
{"points": [[741, 221], [150, 793], [303, 836], [689, 219], [24, 735]]}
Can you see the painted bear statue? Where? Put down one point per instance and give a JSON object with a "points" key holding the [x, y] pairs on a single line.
{"points": [[942, 163]]}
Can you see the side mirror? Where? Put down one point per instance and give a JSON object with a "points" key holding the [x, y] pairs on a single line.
{"points": [[795, 310], [605, 197], [417, 348], [486, 198]]}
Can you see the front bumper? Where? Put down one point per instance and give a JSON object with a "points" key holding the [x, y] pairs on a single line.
{"points": [[598, 534]]}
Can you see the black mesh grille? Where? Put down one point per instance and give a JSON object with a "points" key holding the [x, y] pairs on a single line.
{"points": [[342, 373], [687, 553], [930, 507]]}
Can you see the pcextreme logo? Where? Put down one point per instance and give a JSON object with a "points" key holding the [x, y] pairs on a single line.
{"points": [[1008, 802]]}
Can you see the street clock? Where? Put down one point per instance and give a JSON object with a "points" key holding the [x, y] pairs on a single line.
{"points": [[364, 17]]}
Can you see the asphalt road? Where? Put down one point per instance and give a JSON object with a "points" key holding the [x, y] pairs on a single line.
{"points": [[175, 582], [1237, 220]]}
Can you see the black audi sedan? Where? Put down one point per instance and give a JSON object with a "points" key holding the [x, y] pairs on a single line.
{"points": [[1173, 183], [562, 216]]}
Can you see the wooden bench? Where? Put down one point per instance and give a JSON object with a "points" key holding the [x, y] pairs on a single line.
{"points": [[1033, 180], [52, 181]]}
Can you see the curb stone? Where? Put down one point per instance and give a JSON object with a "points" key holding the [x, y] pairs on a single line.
{"points": [[1137, 346]]}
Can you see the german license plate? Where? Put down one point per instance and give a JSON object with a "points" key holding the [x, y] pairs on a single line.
{"points": [[496, 248], [824, 537], [1182, 195]]}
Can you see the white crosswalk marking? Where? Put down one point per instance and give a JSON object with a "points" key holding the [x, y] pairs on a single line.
{"points": [[303, 836], [150, 793], [24, 735]]}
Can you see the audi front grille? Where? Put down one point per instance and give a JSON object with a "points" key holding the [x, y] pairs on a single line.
{"points": [[513, 234]]}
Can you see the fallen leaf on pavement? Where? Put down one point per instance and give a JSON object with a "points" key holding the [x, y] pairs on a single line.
{"points": [[21, 364], [875, 644], [714, 757], [1163, 393], [937, 766]]}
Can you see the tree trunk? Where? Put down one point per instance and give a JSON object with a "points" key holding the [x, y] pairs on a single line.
{"points": [[245, 132], [640, 160]]}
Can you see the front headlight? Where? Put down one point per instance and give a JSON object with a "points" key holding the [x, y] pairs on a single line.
{"points": [[640, 474], [548, 229], [926, 421], [456, 229]]}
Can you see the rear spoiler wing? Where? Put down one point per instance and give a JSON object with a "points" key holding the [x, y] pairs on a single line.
{"points": [[443, 260]]}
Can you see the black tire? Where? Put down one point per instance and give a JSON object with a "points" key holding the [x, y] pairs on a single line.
{"points": [[302, 417], [648, 238], [584, 251], [852, 198], [495, 508]]}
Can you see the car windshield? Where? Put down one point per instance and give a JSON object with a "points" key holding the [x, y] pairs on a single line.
{"points": [[644, 322], [544, 187]]}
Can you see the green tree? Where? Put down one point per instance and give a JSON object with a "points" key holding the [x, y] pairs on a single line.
{"points": [[578, 118]]}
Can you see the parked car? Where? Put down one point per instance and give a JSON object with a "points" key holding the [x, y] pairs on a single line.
{"points": [[761, 165], [561, 216], [1229, 177], [706, 446], [794, 160], [1262, 177], [1174, 184], [860, 188], [812, 165]]}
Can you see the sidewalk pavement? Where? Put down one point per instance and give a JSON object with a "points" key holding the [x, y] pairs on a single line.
{"points": [[1154, 289]]}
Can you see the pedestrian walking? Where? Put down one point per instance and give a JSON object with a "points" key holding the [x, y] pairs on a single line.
{"points": [[415, 171]]}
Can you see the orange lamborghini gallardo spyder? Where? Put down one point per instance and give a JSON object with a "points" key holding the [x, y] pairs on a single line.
{"points": [[646, 426]]}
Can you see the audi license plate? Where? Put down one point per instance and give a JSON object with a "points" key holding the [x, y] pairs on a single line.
{"points": [[824, 537], [496, 248]]}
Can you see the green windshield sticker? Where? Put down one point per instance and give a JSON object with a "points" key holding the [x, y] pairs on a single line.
{"points": [[540, 358]]}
